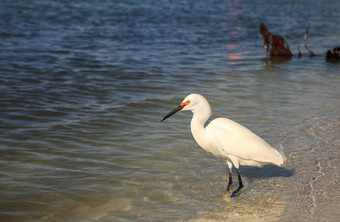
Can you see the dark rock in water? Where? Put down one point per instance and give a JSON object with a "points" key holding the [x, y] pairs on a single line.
{"points": [[333, 53]]}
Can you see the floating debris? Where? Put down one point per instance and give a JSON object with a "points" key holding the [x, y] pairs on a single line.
{"points": [[333, 53]]}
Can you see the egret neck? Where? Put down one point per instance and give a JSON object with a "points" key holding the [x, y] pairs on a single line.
{"points": [[201, 114]]}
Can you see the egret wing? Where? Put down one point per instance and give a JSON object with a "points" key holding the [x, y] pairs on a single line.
{"points": [[238, 141]]}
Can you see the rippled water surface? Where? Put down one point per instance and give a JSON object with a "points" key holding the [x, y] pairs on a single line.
{"points": [[84, 85]]}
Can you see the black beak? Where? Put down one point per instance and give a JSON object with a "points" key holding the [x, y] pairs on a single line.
{"points": [[179, 108]]}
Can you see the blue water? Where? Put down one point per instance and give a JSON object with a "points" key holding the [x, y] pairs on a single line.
{"points": [[84, 85]]}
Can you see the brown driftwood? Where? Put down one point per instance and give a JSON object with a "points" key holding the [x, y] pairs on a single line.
{"points": [[274, 44], [305, 38], [277, 46]]}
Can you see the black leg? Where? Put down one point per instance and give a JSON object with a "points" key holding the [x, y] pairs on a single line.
{"points": [[239, 179], [229, 183], [240, 184]]}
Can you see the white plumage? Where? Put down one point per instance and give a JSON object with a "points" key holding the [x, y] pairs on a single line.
{"points": [[227, 139]]}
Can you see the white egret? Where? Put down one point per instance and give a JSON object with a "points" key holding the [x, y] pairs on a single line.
{"points": [[227, 139]]}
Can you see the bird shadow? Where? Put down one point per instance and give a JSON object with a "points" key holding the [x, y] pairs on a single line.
{"points": [[251, 173], [267, 171]]}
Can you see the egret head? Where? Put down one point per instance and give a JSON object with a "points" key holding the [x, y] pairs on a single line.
{"points": [[191, 102]]}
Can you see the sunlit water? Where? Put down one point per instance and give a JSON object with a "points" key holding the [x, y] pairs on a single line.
{"points": [[84, 85]]}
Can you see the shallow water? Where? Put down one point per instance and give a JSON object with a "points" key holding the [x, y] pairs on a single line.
{"points": [[84, 85]]}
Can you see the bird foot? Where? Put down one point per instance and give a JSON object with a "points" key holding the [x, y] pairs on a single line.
{"points": [[236, 192]]}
